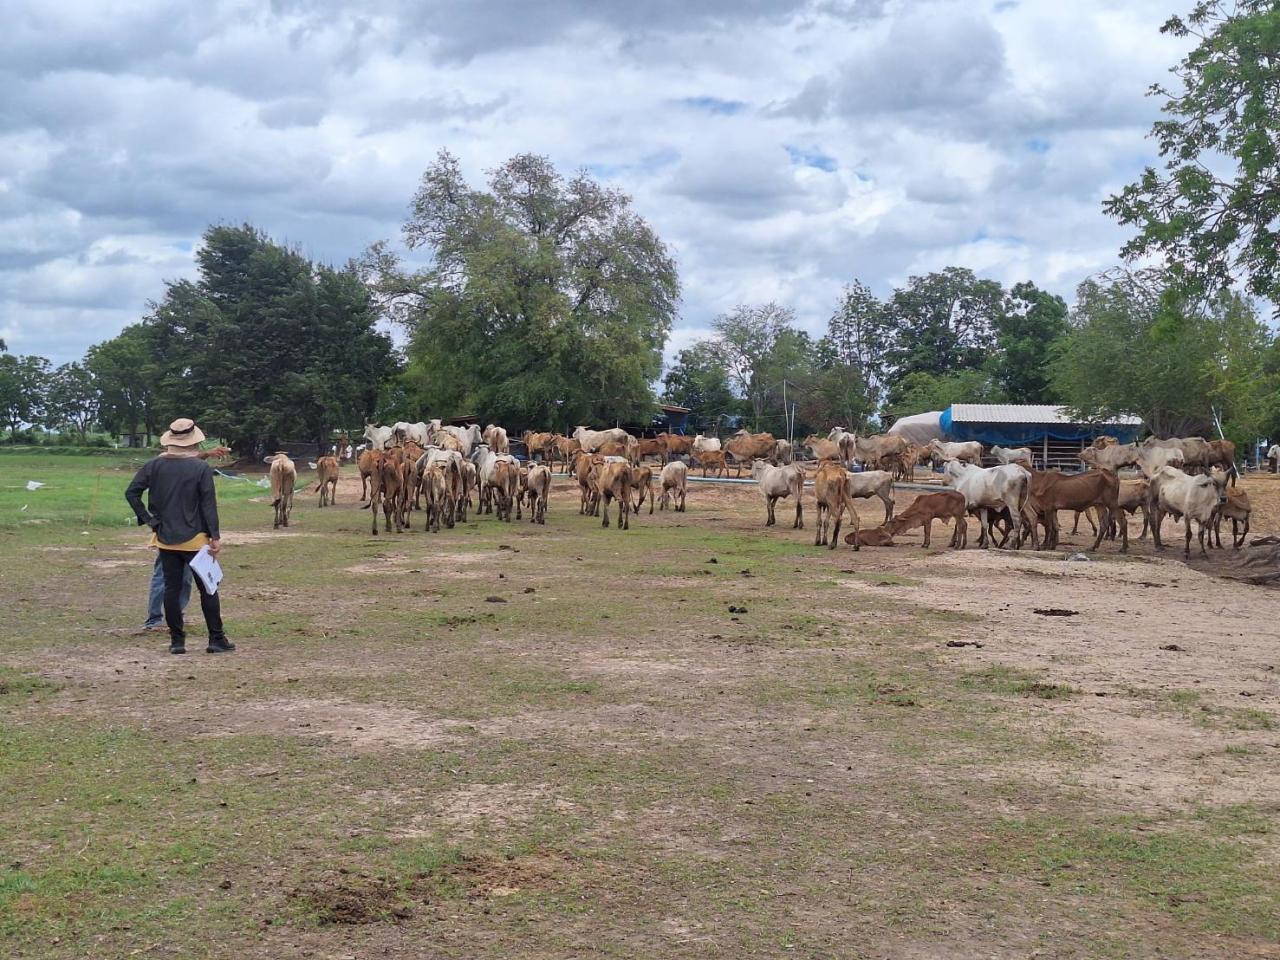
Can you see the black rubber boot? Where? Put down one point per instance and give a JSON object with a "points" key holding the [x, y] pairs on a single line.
{"points": [[178, 646], [221, 645]]}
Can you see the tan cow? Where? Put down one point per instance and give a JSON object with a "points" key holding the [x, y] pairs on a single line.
{"points": [[642, 486], [538, 491], [830, 489], [1111, 457], [327, 480], [283, 477], [567, 449], [872, 450], [675, 481], [824, 449], [435, 492], [539, 443], [1237, 509], [613, 482], [592, 440], [713, 460], [745, 447]]}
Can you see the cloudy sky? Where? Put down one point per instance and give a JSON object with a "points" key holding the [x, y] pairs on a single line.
{"points": [[781, 147]]}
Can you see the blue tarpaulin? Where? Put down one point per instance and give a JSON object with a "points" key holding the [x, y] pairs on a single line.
{"points": [[1004, 427]]}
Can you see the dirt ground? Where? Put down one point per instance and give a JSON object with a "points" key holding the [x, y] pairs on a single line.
{"points": [[694, 738]]}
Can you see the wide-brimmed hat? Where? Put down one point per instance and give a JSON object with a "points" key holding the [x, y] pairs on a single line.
{"points": [[182, 433]]}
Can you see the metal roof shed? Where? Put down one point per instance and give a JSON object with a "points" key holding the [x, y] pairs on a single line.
{"points": [[1051, 433]]}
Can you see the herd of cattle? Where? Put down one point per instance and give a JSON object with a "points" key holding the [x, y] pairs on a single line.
{"points": [[444, 471]]}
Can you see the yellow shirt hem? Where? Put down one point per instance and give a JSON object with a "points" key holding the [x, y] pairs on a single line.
{"points": [[195, 543]]}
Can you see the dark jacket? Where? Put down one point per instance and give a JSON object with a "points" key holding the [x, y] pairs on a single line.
{"points": [[181, 498]]}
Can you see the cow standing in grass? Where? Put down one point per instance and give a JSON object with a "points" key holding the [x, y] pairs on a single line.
{"points": [[284, 475]]}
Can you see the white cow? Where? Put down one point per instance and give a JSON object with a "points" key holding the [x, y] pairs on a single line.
{"points": [[379, 438], [1151, 459], [467, 437], [970, 451], [486, 460], [872, 483], [1192, 498], [703, 444], [593, 440], [994, 488], [404, 432], [777, 483], [1113, 457], [1012, 454]]}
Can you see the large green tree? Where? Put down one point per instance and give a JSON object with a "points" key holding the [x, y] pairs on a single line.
{"points": [[1213, 211], [699, 381], [860, 337], [266, 345], [72, 399], [23, 384], [127, 375], [547, 301], [759, 347], [944, 321], [1031, 322], [1141, 344]]}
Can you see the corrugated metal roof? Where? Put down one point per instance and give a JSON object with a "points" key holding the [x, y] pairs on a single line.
{"points": [[1021, 413]]}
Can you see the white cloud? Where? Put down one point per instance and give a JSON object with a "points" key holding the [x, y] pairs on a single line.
{"points": [[781, 147]]}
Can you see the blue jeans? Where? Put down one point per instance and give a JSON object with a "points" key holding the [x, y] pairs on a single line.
{"points": [[155, 605]]}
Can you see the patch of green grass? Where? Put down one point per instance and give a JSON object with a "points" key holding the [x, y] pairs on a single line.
{"points": [[1213, 882], [16, 685], [1011, 682], [84, 491]]}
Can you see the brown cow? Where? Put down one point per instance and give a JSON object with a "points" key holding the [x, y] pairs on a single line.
{"points": [[327, 480], [651, 447], [642, 486], [713, 459], [1237, 509], [676, 445], [584, 468], [384, 489], [946, 505], [880, 536], [1222, 453], [1052, 491], [365, 464], [613, 482], [745, 447]]}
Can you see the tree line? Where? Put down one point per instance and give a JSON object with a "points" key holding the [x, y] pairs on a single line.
{"points": [[541, 301]]}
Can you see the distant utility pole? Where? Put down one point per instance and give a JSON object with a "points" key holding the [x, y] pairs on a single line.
{"points": [[788, 412]]}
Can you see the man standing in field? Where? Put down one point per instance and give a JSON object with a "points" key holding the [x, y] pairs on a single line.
{"points": [[182, 512], [155, 597]]}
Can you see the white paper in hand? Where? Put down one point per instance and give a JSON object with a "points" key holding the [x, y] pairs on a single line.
{"points": [[204, 566]]}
